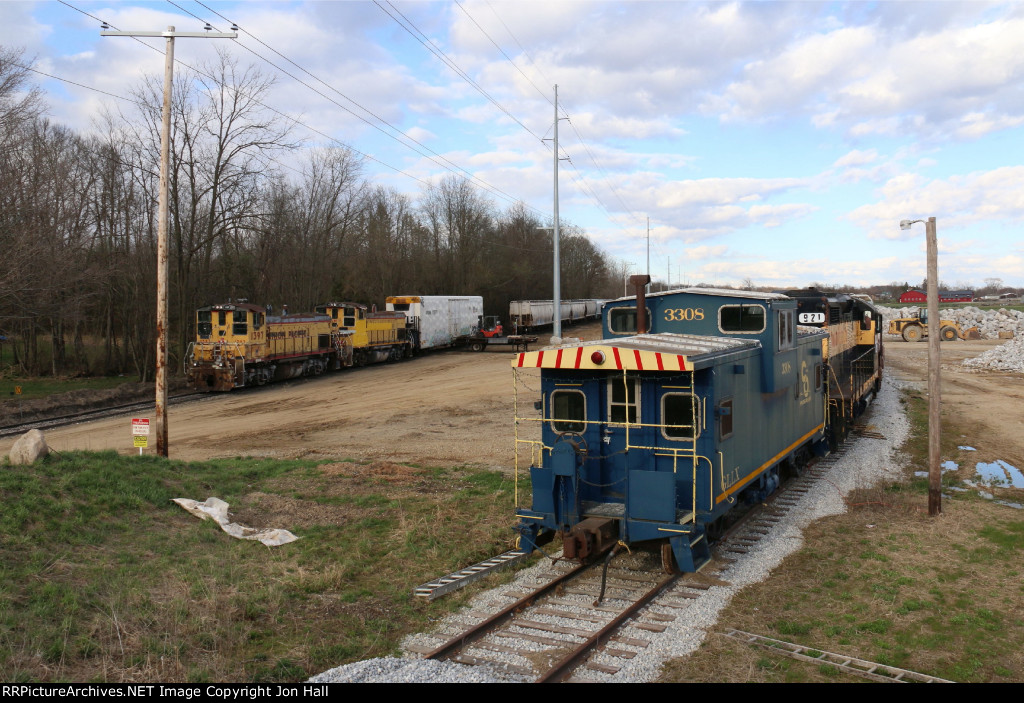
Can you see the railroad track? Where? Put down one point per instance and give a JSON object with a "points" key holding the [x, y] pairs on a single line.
{"points": [[559, 632], [92, 414]]}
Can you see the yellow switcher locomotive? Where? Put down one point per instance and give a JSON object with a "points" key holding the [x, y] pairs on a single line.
{"points": [[239, 344]]}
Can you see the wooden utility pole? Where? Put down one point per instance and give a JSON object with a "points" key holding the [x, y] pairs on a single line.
{"points": [[934, 380], [934, 376], [162, 446]]}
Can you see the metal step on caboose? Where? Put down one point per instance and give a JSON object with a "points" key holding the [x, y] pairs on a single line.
{"points": [[851, 665], [463, 577]]}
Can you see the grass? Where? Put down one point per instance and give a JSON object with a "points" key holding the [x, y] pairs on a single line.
{"points": [[886, 583], [105, 580]]}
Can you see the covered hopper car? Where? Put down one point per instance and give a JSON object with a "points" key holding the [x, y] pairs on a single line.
{"points": [[526, 315]]}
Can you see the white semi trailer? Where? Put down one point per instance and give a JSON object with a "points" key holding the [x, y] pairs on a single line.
{"points": [[438, 320]]}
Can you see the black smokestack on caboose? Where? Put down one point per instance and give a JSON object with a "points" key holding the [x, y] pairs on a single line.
{"points": [[640, 282]]}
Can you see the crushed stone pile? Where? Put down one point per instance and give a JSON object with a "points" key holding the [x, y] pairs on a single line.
{"points": [[1005, 357], [989, 322]]}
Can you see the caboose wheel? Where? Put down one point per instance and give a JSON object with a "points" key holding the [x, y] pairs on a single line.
{"points": [[668, 558]]}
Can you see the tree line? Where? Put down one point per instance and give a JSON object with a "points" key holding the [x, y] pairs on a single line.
{"points": [[78, 224]]}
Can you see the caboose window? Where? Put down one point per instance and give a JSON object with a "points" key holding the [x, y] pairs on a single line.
{"points": [[678, 419], [744, 319], [623, 320], [724, 419], [568, 411], [787, 329], [623, 400], [240, 326]]}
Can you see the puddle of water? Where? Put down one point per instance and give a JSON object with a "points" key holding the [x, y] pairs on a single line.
{"points": [[948, 465], [967, 449], [999, 473], [1018, 506]]}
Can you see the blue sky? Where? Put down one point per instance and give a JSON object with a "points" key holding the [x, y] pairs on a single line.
{"points": [[770, 141]]}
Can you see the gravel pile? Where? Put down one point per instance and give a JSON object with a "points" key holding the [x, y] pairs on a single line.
{"points": [[1005, 357], [866, 463], [989, 322]]}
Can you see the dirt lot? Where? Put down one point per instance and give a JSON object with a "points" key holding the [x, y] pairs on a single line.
{"points": [[456, 407], [988, 405], [450, 407]]}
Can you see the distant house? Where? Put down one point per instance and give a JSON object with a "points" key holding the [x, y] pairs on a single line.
{"points": [[945, 296]]}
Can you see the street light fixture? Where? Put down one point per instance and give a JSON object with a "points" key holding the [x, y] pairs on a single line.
{"points": [[934, 381]]}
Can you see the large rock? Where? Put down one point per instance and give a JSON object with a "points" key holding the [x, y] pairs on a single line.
{"points": [[29, 447]]}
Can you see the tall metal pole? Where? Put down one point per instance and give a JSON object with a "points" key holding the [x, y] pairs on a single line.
{"points": [[934, 380], [162, 321], [557, 329], [648, 248]]}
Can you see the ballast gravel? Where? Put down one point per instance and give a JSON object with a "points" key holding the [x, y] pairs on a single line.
{"points": [[866, 463]]}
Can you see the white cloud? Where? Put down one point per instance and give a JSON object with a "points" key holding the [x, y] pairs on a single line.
{"points": [[957, 202], [857, 157]]}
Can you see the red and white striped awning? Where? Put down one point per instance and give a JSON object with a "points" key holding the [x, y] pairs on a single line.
{"points": [[661, 352]]}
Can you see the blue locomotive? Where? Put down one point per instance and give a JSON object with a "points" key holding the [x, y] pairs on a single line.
{"points": [[655, 437]]}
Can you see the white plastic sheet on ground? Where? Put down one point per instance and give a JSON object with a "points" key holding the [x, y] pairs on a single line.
{"points": [[217, 510]]}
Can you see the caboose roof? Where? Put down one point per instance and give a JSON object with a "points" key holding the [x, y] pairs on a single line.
{"points": [[724, 292], [642, 352]]}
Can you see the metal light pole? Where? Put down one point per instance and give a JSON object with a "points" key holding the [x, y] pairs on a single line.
{"points": [[557, 328], [161, 251], [934, 380]]}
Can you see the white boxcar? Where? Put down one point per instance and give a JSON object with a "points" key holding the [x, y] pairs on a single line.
{"points": [[438, 320]]}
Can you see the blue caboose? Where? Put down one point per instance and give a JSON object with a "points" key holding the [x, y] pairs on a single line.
{"points": [[655, 437]]}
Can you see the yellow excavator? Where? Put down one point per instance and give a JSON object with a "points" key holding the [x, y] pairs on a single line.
{"points": [[914, 329]]}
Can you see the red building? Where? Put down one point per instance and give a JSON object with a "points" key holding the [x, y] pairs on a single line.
{"points": [[945, 296]]}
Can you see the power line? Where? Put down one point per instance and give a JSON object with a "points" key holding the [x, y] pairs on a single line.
{"points": [[454, 168]]}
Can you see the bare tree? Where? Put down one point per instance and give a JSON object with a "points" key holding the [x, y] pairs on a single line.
{"points": [[222, 139]]}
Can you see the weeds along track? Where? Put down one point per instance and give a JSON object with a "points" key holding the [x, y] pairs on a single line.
{"points": [[562, 630]]}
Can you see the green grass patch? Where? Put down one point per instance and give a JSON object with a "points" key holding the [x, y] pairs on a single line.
{"points": [[105, 579]]}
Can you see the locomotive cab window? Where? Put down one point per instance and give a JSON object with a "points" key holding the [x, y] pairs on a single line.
{"points": [[568, 411], [222, 318], [680, 416], [349, 318], [205, 324], [240, 326], [623, 320], [743, 319], [623, 400]]}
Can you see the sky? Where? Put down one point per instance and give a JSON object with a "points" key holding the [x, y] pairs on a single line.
{"points": [[770, 142]]}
